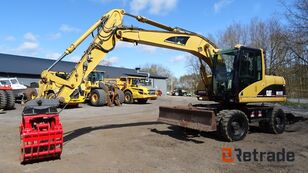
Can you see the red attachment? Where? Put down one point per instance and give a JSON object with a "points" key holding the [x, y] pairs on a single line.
{"points": [[41, 137]]}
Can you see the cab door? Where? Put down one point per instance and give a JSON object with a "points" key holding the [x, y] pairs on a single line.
{"points": [[250, 67]]}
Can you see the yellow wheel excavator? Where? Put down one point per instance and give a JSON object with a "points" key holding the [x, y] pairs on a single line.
{"points": [[237, 77]]}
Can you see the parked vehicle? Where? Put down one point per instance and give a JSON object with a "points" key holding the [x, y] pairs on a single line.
{"points": [[134, 89], [179, 92], [7, 99], [20, 91]]}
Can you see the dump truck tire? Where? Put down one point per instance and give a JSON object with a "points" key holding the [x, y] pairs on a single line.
{"points": [[3, 99], [128, 97], [121, 95], [30, 93], [277, 121], [10, 98], [233, 125], [103, 87], [98, 97]]}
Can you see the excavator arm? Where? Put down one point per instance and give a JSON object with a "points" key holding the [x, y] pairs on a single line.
{"points": [[110, 29]]}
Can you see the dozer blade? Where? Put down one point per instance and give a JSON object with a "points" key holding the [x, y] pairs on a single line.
{"points": [[188, 117]]}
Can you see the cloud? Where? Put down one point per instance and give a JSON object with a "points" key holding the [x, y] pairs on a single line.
{"points": [[138, 5], [30, 44], [110, 61], [153, 6], [221, 4], [9, 38], [29, 37], [179, 58], [28, 47], [146, 48], [122, 44], [64, 28], [53, 55], [55, 36], [68, 28]]}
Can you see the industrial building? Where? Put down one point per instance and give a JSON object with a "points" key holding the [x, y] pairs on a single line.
{"points": [[28, 70]]}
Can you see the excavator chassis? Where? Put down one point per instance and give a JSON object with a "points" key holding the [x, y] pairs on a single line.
{"points": [[230, 120]]}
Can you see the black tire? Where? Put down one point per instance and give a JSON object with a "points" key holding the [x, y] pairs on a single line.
{"points": [[3, 99], [142, 101], [277, 121], [10, 104], [128, 97], [233, 125], [98, 97], [30, 93], [121, 95]]}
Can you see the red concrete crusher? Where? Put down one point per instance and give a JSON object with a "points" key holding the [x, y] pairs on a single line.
{"points": [[41, 133]]}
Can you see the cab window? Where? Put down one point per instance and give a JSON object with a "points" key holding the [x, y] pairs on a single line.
{"points": [[250, 67]]}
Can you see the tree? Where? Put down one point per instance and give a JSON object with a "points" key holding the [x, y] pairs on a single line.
{"points": [[157, 69], [235, 33], [160, 70], [188, 82], [297, 41], [297, 16]]}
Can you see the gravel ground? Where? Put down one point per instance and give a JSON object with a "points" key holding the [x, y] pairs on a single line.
{"points": [[128, 139]]}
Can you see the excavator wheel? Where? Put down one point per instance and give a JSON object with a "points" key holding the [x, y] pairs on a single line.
{"points": [[277, 123], [128, 97], [3, 99], [233, 125], [10, 104], [98, 97]]}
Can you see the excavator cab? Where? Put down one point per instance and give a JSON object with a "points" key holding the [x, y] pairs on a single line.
{"points": [[96, 76], [234, 70]]}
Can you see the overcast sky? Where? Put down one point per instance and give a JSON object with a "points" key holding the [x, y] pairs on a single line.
{"points": [[44, 29]]}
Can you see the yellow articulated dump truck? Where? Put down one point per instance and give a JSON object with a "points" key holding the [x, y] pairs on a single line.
{"points": [[135, 89]]}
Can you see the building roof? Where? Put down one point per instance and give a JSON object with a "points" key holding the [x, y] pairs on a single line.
{"points": [[25, 65]]}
